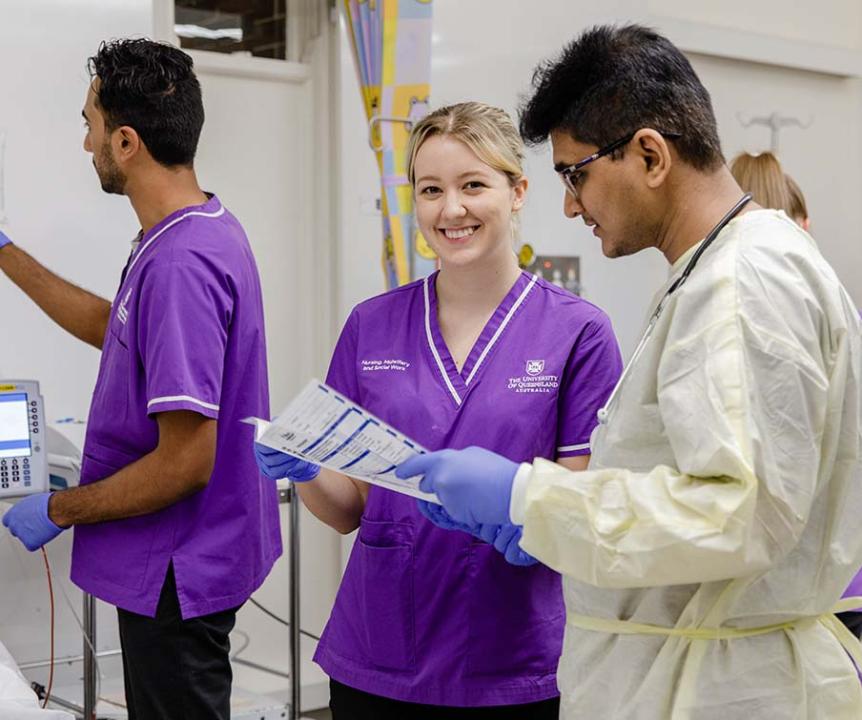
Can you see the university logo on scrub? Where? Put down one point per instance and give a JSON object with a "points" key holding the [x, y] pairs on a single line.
{"points": [[535, 367], [534, 379], [123, 310]]}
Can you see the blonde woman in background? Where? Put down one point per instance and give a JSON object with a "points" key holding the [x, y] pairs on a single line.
{"points": [[763, 177]]}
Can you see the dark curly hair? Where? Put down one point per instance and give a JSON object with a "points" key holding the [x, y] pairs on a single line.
{"points": [[152, 88], [614, 80]]}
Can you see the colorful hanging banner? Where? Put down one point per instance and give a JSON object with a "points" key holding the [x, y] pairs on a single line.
{"points": [[391, 42]]}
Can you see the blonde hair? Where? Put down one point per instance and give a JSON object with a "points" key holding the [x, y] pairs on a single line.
{"points": [[488, 131], [762, 176], [798, 208]]}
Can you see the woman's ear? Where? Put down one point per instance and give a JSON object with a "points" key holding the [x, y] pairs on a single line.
{"points": [[520, 193]]}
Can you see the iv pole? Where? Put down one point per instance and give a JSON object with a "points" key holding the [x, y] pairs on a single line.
{"points": [[775, 123], [292, 498]]}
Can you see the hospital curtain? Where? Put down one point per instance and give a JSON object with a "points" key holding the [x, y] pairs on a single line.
{"points": [[391, 42]]}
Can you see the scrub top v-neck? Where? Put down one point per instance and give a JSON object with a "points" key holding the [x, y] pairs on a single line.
{"points": [[458, 382]]}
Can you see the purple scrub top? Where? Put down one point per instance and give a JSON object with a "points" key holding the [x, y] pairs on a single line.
{"points": [[186, 332], [855, 588], [434, 616]]}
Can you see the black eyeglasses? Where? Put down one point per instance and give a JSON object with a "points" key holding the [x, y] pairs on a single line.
{"points": [[571, 175]]}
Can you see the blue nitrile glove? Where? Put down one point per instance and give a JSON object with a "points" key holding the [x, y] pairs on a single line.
{"points": [[276, 465], [506, 539], [437, 515], [4, 239], [508, 542], [29, 522], [488, 532], [474, 485]]}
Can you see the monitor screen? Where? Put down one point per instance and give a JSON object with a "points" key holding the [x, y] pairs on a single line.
{"points": [[14, 426]]}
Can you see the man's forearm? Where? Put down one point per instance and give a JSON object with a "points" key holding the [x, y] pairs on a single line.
{"points": [[146, 486], [180, 465], [79, 312]]}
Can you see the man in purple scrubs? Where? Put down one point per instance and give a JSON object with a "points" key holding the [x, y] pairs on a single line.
{"points": [[174, 525]]}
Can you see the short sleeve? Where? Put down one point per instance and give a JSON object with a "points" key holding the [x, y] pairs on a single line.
{"points": [[592, 371], [183, 317], [342, 366]]}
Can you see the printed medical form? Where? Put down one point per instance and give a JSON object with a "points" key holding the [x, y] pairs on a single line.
{"points": [[324, 427]]}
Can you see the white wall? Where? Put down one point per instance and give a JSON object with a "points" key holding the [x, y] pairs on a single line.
{"points": [[835, 23], [55, 207]]}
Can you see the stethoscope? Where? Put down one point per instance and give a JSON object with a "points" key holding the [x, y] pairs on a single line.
{"points": [[604, 412]]}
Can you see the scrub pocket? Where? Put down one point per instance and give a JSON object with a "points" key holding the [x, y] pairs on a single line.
{"points": [[121, 549], [386, 592], [517, 616]]}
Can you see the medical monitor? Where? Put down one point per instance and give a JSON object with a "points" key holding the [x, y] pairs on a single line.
{"points": [[23, 455]]}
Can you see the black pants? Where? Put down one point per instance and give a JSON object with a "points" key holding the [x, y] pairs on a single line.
{"points": [[176, 669], [853, 621], [347, 703]]}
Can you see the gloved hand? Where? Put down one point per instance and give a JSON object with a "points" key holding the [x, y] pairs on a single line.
{"points": [[437, 515], [474, 485], [29, 522], [276, 465], [508, 542], [488, 532], [505, 538], [4, 239]]}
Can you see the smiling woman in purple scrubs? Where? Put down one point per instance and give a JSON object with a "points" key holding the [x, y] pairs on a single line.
{"points": [[429, 623]]}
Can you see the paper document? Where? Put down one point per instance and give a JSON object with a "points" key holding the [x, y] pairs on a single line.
{"points": [[324, 427]]}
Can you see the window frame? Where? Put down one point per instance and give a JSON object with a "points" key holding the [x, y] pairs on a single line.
{"points": [[234, 65]]}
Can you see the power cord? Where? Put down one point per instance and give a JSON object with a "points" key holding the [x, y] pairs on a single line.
{"points": [[281, 620], [246, 641], [89, 642], [51, 596]]}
